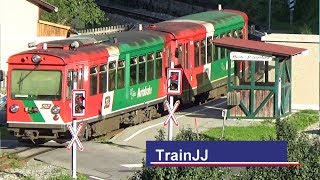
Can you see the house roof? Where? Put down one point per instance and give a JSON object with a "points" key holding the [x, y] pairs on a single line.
{"points": [[258, 46], [44, 5]]}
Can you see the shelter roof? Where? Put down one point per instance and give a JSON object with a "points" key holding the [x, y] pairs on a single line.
{"points": [[258, 46]]}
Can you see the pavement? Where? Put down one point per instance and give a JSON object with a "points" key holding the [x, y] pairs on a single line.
{"points": [[199, 118], [98, 161]]}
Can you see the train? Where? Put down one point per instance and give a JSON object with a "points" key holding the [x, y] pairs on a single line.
{"points": [[124, 75]]}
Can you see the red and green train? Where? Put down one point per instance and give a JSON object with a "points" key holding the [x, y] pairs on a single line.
{"points": [[123, 74]]}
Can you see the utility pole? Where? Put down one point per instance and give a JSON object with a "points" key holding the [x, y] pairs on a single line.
{"points": [[269, 15]]}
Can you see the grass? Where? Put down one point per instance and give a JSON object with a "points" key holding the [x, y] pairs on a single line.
{"points": [[248, 133], [300, 120], [67, 177]]}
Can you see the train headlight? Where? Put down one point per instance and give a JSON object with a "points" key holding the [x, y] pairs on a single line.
{"points": [[14, 108], [36, 58], [55, 110]]}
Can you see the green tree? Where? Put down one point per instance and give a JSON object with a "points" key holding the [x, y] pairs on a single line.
{"points": [[75, 13]]}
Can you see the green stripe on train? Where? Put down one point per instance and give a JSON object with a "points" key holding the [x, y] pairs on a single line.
{"points": [[222, 21], [35, 117], [137, 94]]}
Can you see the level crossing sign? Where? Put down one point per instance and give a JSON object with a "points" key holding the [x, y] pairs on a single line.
{"points": [[75, 138], [171, 113]]}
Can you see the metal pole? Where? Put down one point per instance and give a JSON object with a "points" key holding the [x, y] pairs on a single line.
{"points": [[171, 106], [291, 16], [270, 14], [74, 152], [170, 121], [224, 113]]}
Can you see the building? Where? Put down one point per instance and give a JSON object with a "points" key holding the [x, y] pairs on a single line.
{"points": [[305, 68], [19, 25]]}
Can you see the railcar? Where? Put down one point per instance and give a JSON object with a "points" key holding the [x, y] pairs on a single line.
{"points": [[123, 74]]}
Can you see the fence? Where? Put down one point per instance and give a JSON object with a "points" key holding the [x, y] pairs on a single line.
{"points": [[105, 30], [52, 29]]}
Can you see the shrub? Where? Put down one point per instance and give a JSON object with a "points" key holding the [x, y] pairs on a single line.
{"points": [[180, 173], [300, 149]]}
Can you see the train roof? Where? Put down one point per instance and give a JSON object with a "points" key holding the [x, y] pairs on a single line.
{"points": [[210, 21]]}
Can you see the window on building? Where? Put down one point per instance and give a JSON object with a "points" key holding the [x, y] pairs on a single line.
{"points": [[93, 80], [121, 74], [142, 69], [150, 66], [133, 71], [112, 76], [103, 78], [158, 65]]}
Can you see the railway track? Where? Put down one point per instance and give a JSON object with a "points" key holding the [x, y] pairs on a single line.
{"points": [[22, 155], [131, 14]]}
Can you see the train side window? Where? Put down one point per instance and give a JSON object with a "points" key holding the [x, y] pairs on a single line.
{"points": [[121, 74], [186, 56], [223, 50], [103, 78], [142, 69], [80, 78], [69, 84], [158, 65], [112, 76], [150, 66], [180, 55], [215, 50], [196, 54], [209, 49], [93, 80], [230, 34], [133, 71], [240, 31], [203, 52]]}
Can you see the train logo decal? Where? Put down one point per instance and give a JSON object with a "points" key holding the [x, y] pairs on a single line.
{"points": [[107, 102], [133, 93], [45, 106], [144, 92]]}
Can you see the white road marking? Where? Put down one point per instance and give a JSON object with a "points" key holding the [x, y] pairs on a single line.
{"points": [[132, 165], [149, 127], [94, 177]]}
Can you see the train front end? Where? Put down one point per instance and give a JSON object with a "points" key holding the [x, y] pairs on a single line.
{"points": [[36, 109]]}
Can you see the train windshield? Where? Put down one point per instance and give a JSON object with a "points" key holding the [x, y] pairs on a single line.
{"points": [[36, 84]]}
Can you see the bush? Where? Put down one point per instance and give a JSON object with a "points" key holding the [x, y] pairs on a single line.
{"points": [[180, 173], [300, 149]]}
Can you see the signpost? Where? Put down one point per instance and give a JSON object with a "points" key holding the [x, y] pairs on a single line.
{"points": [[291, 4], [224, 115], [78, 110], [249, 57], [174, 87]]}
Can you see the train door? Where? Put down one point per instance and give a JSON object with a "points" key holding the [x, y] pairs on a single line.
{"points": [[183, 59], [199, 60]]}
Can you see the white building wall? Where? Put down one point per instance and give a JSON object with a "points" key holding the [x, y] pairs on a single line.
{"points": [[305, 68], [18, 27]]}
